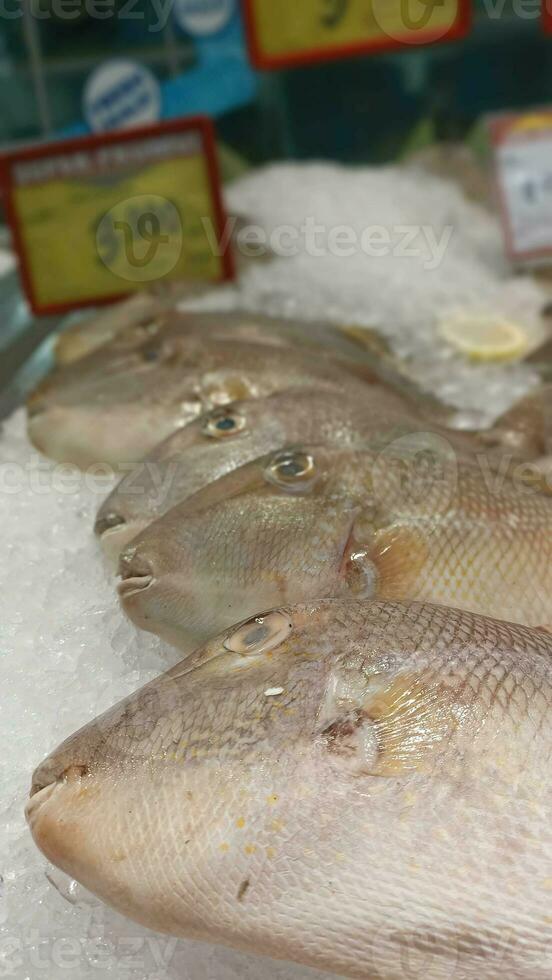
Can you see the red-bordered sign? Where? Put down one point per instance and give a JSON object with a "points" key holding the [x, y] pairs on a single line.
{"points": [[522, 146], [285, 33], [96, 218], [547, 16]]}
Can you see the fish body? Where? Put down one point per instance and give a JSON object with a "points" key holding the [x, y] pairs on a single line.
{"points": [[358, 787], [412, 521], [117, 404]]}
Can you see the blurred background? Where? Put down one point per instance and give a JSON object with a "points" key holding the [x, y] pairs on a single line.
{"points": [[62, 60], [367, 108]]}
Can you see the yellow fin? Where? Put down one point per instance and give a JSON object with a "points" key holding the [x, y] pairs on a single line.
{"points": [[399, 555], [411, 719], [399, 728]]}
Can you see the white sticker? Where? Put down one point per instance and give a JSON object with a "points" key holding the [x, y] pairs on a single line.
{"points": [[121, 94], [526, 173], [199, 17]]}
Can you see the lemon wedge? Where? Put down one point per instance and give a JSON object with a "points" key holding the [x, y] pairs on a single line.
{"points": [[485, 337]]}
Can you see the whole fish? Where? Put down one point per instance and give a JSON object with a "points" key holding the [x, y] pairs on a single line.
{"points": [[413, 521], [117, 404], [359, 787], [228, 437]]}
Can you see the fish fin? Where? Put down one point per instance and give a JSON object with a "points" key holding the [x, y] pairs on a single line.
{"points": [[399, 727], [399, 555]]}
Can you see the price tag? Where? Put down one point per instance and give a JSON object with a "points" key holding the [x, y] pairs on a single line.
{"points": [[96, 218], [523, 170], [291, 32]]}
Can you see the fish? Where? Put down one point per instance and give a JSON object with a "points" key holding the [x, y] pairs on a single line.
{"points": [[116, 405], [87, 336], [360, 787], [414, 520], [238, 433]]}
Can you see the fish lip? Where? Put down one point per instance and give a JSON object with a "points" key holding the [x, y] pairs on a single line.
{"points": [[135, 585], [37, 799], [46, 782], [110, 522]]}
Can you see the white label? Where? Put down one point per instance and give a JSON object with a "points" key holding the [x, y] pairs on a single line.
{"points": [[121, 94], [200, 17], [526, 177]]}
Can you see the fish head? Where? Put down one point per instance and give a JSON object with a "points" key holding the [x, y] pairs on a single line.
{"points": [[192, 457], [213, 445], [115, 405], [311, 769], [280, 529], [187, 748]]}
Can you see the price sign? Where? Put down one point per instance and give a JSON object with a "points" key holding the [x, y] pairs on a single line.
{"points": [[523, 170], [96, 218], [291, 32], [547, 16]]}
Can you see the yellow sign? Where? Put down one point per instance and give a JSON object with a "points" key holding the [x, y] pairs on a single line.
{"points": [[289, 31], [95, 220]]}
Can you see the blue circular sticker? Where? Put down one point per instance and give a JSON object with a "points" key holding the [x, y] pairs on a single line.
{"points": [[201, 17], [120, 94]]}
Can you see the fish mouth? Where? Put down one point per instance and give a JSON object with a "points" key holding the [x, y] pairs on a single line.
{"points": [[135, 572], [134, 585], [45, 783]]}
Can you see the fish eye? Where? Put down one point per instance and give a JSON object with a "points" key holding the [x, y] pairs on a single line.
{"points": [[291, 470], [221, 424], [259, 635]]}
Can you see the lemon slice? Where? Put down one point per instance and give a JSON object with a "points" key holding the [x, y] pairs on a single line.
{"points": [[485, 337]]}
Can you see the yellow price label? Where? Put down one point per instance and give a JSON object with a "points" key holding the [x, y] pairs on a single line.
{"points": [[290, 32], [100, 217]]}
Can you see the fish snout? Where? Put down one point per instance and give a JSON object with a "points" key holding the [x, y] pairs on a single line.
{"points": [[115, 533], [47, 778], [48, 773], [136, 571]]}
